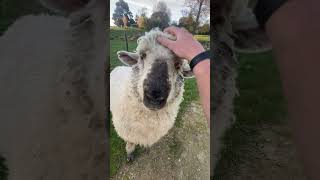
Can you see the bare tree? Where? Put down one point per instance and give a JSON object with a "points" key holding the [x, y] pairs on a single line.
{"points": [[142, 12], [199, 9]]}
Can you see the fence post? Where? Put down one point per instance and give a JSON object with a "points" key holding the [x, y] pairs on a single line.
{"points": [[126, 38]]}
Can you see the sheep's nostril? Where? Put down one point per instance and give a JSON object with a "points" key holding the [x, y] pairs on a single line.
{"points": [[161, 99], [149, 96], [155, 97], [154, 101]]}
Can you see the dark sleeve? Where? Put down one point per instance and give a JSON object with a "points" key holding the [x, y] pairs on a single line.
{"points": [[265, 8]]}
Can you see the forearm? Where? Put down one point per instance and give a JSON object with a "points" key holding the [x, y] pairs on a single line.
{"points": [[294, 31], [202, 74]]}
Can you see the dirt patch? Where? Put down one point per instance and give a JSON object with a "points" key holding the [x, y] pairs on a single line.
{"points": [[277, 159], [274, 157], [183, 154]]}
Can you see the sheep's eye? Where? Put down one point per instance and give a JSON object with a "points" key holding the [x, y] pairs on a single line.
{"points": [[143, 55]]}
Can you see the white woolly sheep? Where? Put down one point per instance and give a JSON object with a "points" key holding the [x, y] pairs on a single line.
{"points": [[52, 93], [224, 72], [145, 97]]}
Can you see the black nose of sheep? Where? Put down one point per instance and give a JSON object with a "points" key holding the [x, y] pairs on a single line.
{"points": [[156, 86], [154, 99]]}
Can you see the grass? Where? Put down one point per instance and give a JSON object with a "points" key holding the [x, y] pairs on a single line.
{"points": [[4, 23], [118, 154], [202, 38], [260, 103], [117, 43], [3, 169]]}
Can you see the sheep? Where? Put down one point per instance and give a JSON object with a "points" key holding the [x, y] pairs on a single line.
{"points": [[230, 16], [145, 95], [52, 93]]}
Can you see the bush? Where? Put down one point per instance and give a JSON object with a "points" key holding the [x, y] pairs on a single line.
{"points": [[204, 29]]}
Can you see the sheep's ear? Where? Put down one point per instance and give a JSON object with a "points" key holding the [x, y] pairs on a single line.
{"points": [[64, 6], [128, 58], [186, 70]]}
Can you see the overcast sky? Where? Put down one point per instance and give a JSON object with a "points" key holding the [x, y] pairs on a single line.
{"points": [[134, 5]]}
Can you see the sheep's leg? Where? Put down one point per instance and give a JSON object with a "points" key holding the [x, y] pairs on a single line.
{"points": [[130, 147]]}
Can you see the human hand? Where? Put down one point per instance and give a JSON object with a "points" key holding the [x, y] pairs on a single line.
{"points": [[185, 46]]}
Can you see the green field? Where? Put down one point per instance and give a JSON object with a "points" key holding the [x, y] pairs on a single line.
{"points": [[3, 169], [260, 104], [202, 38], [118, 154]]}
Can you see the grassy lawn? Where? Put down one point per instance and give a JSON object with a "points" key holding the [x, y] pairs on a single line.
{"points": [[260, 103], [3, 169], [118, 154], [202, 38], [4, 24]]}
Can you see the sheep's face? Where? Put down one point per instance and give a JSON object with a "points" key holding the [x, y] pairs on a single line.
{"points": [[158, 74]]}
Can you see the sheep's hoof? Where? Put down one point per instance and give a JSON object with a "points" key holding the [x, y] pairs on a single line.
{"points": [[130, 157]]}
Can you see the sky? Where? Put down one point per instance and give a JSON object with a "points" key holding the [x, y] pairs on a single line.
{"points": [[134, 5]]}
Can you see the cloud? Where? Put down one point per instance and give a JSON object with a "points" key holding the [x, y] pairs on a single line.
{"points": [[135, 5], [140, 4]]}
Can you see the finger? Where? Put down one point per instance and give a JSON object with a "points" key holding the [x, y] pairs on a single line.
{"points": [[166, 42], [172, 30], [184, 29]]}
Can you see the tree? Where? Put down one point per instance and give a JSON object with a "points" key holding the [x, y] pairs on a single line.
{"points": [[162, 7], [125, 20], [122, 9], [142, 12], [131, 22], [199, 9], [160, 16], [158, 19], [204, 29], [141, 18], [174, 23], [141, 22], [187, 22]]}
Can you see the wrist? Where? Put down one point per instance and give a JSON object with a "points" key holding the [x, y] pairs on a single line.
{"points": [[202, 67], [194, 53], [205, 55]]}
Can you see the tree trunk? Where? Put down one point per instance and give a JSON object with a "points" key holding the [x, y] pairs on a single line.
{"points": [[198, 16]]}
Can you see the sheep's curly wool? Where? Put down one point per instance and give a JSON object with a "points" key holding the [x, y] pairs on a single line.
{"points": [[132, 120]]}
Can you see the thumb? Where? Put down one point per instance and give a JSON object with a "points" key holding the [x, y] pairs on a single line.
{"points": [[166, 42]]}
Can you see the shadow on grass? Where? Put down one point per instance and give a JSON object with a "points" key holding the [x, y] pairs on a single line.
{"points": [[3, 169], [260, 104]]}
